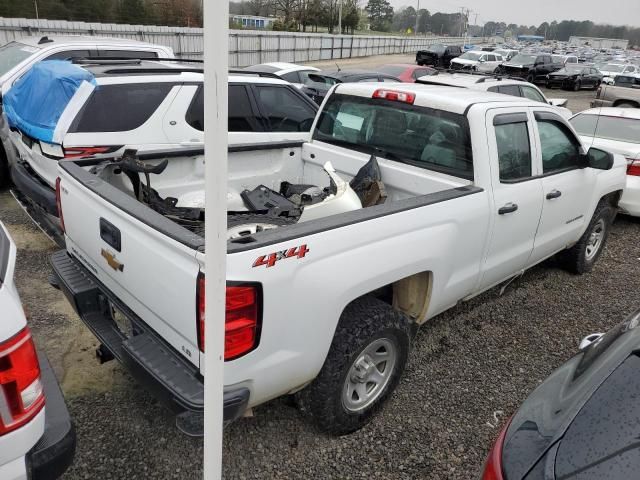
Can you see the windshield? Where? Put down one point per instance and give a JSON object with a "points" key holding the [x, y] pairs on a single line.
{"points": [[418, 136], [612, 68], [12, 54], [470, 56], [437, 48], [570, 70], [393, 70], [611, 128], [523, 59]]}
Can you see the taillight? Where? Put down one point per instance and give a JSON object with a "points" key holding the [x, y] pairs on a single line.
{"points": [[21, 393], [241, 326], [633, 167], [81, 152], [493, 464], [59, 204], [395, 96]]}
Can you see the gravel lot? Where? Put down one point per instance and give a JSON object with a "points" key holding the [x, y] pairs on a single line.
{"points": [[468, 371]]}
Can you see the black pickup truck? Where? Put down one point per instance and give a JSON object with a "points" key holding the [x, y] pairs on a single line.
{"points": [[438, 55], [532, 67]]}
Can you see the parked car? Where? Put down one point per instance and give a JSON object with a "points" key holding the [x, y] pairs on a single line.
{"points": [[611, 70], [322, 82], [102, 108], [565, 59], [37, 437], [629, 81], [407, 73], [615, 130], [575, 77], [291, 72], [17, 57], [493, 184], [618, 95], [534, 68], [438, 55], [581, 422], [477, 61], [506, 86]]}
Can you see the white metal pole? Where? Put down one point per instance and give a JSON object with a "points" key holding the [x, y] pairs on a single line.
{"points": [[216, 66], [35, 3], [340, 18]]}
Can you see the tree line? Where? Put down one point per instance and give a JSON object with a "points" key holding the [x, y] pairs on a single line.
{"points": [[304, 15]]}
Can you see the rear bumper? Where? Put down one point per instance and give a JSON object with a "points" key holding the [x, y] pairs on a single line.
{"points": [[54, 452], [38, 200], [148, 357], [630, 200]]}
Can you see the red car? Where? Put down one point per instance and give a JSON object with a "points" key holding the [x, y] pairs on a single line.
{"points": [[407, 72]]}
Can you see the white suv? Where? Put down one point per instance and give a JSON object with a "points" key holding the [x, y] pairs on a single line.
{"points": [[134, 104], [17, 58], [478, 61], [497, 84], [37, 437]]}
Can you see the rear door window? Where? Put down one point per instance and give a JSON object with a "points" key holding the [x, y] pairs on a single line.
{"points": [[293, 77], [512, 90], [284, 109], [72, 54], [242, 117], [120, 108], [532, 94]]}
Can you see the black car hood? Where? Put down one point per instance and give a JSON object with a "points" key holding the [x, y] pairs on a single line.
{"points": [[563, 74], [549, 411]]}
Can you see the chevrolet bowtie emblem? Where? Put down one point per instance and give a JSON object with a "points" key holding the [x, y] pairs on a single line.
{"points": [[111, 260]]}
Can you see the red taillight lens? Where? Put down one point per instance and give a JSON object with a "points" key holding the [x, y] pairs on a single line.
{"points": [[493, 464], [81, 152], [633, 167], [395, 96], [21, 394], [241, 326], [59, 204]]}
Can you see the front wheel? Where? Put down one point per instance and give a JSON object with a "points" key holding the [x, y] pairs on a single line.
{"points": [[531, 78], [367, 357], [577, 85], [583, 255]]}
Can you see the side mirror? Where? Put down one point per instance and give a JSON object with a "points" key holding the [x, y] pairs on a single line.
{"points": [[590, 339], [599, 159]]}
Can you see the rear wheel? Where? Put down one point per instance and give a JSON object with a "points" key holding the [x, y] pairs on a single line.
{"points": [[577, 85], [366, 359], [583, 255], [627, 105], [531, 78]]}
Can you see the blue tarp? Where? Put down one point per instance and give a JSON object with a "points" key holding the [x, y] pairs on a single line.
{"points": [[35, 102]]}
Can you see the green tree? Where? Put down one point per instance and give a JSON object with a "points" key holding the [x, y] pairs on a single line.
{"points": [[380, 15], [424, 18]]}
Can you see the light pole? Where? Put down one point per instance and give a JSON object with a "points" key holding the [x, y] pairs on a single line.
{"points": [[340, 18], [35, 4]]}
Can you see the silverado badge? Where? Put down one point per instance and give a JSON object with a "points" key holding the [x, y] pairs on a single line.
{"points": [[111, 260]]}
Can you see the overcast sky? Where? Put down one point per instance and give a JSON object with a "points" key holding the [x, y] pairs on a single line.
{"points": [[534, 12]]}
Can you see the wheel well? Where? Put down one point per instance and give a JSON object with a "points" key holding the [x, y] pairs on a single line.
{"points": [[410, 295], [612, 198], [630, 102]]}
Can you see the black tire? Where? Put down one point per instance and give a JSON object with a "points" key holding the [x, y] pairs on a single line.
{"points": [[5, 178], [548, 85], [575, 259], [627, 105], [531, 78], [362, 323], [577, 85], [237, 221]]}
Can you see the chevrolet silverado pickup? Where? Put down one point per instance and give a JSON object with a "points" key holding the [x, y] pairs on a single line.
{"points": [[407, 200]]}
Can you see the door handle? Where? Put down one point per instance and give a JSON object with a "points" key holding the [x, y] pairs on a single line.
{"points": [[554, 194], [508, 208]]}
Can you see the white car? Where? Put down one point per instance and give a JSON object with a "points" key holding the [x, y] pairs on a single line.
{"points": [[497, 84], [477, 61], [612, 70], [507, 54], [291, 72], [616, 130], [140, 105], [17, 58], [565, 59], [327, 307], [37, 437]]}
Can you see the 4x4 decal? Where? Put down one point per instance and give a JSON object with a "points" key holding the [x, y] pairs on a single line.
{"points": [[271, 259]]}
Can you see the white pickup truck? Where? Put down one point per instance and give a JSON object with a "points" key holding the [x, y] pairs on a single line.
{"points": [[450, 192]]}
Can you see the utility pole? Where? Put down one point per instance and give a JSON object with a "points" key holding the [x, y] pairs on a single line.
{"points": [[340, 18], [35, 4], [461, 20]]}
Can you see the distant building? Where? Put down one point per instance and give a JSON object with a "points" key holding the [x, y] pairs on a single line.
{"points": [[594, 42], [530, 38], [252, 21]]}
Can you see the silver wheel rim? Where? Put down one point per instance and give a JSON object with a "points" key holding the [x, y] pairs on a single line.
{"points": [[595, 239], [248, 229], [369, 375]]}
